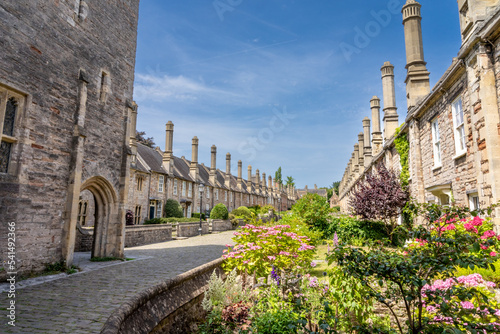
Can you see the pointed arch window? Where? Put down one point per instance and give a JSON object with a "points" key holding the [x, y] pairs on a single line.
{"points": [[10, 106]]}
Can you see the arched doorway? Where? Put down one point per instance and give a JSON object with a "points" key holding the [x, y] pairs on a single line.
{"points": [[104, 213]]}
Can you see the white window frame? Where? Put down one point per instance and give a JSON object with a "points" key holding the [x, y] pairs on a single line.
{"points": [[472, 203], [459, 127], [158, 209], [208, 192], [161, 182], [231, 197], [175, 186], [225, 196], [189, 211], [217, 194], [190, 190], [184, 186], [436, 143]]}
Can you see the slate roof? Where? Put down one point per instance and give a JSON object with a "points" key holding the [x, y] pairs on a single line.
{"points": [[152, 158]]}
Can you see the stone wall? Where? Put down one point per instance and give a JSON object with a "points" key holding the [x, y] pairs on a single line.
{"points": [[46, 46], [84, 239], [147, 234], [187, 230], [219, 225], [170, 307]]}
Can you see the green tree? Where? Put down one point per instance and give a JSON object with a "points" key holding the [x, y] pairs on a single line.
{"points": [[173, 209], [219, 212], [278, 176], [314, 209], [141, 138], [335, 187], [290, 181]]}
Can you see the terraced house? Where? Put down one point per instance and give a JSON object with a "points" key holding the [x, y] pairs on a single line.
{"points": [[453, 130], [157, 176]]}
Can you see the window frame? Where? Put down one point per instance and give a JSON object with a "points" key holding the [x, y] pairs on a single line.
{"points": [[190, 190], [161, 182], [175, 187], [137, 214], [6, 94], [436, 143], [459, 129], [184, 186]]}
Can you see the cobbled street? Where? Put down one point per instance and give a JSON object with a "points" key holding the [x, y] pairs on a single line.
{"points": [[81, 303]]}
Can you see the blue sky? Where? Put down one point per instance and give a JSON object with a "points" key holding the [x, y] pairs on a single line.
{"points": [[269, 82]]}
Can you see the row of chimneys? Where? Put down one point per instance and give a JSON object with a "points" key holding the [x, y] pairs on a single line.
{"points": [[417, 87], [193, 168]]}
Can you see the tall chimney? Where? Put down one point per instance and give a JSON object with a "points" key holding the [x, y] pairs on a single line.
{"points": [[361, 145], [228, 170], [257, 179], [167, 160], [417, 78], [391, 120], [264, 183], [270, 183], [133, 128], [249, 183], [367, 145], [356, 159], [377, 133], [213, 166], [240, 174], [193, 168]]}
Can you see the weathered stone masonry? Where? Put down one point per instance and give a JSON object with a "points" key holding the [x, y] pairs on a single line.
{"points": [[71, 66]]}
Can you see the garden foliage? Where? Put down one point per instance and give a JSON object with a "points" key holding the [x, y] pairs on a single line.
{"points": [[315, 211], [173, 209], [219, 212]]}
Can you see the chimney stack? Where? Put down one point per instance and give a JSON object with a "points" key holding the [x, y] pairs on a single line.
{"points": [[391, 119], [249, 183], [133, 128], [377, 132], [417, 78], [257, 179], [240, 174], [193, 168], [367, 145], [167, 160], [213, 166], [361, 145], [228, 171], [264, 183], [270, 183]]}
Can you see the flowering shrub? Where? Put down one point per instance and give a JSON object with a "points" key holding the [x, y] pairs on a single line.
{"points": [[259, 248], [470, 297]]}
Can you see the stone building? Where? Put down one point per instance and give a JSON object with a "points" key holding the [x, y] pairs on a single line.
{"points": [[66, 88], [157, 176], [453, 130], [306, 190]]}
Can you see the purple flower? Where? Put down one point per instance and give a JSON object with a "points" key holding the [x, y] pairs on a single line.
{"points": [[275, 276], [335, 239]]}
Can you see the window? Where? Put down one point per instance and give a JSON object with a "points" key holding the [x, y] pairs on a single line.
{"points": [[189, 211], [175, 186], [10, 105], [436, 143], [207, 208], [158, 209], [137, 216], [184, 188], [161, 182], [231, 197], [208, 192], [474, 202], [225, 195], [139, 183], [105, 87], [459, 128], [190, 190], [217, 194], [82, 212]]}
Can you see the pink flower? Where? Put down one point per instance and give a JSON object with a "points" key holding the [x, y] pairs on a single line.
{"points": [[493, 254], [313, 264], [271, 258], [488, 234], [470, 227], [477, 221], [484, 247], [228, 245], [467, 305], [449, 227]]}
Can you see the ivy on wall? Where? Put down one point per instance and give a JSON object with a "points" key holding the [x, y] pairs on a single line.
{"points": [[403, 148]]}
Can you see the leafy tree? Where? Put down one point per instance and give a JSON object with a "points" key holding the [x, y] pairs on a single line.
{"points": [[314, 209], [329, 192], [173, 209], [141, 138], [380, 197], [335, 186], [290, 181], [278, 176]]}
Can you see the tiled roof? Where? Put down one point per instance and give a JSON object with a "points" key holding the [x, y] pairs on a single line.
{"points": [[181, 169], [151, 157]]}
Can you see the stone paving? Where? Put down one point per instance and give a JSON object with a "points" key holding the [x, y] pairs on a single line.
{"points": [[81, 303]]}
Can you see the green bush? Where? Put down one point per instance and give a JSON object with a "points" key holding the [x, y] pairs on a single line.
{"points": [[350, 229], [156, 221], [242, 212], [197, 216], [219, 212], [173, 209], [488, 274], [314, 209]]}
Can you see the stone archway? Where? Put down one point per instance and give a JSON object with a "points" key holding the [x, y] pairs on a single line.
{"points": [[107, 228]]}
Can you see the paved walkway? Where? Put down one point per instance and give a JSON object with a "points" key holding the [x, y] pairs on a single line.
{"points": [[81, 303]]}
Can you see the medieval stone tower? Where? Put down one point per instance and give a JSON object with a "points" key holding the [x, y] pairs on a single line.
{"points": [[66, 85]]}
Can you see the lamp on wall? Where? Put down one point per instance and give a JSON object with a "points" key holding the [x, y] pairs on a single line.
{"points": [[201, 187]]}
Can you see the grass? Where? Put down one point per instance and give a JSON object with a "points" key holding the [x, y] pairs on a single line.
{"points": [[320, 259]]}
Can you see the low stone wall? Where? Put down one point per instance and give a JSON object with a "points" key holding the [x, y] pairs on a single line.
{"points": [[171, 307], [139, 235], [187, 230], [219, 225], [84, 238]]}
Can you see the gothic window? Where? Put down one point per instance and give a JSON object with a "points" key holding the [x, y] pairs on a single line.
{"points": [[137, 215], [82, 212], [10, 106], [139, 183], [105, 87]]}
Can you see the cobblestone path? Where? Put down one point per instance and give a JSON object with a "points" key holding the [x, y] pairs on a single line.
{"points": [[81, 303]]}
